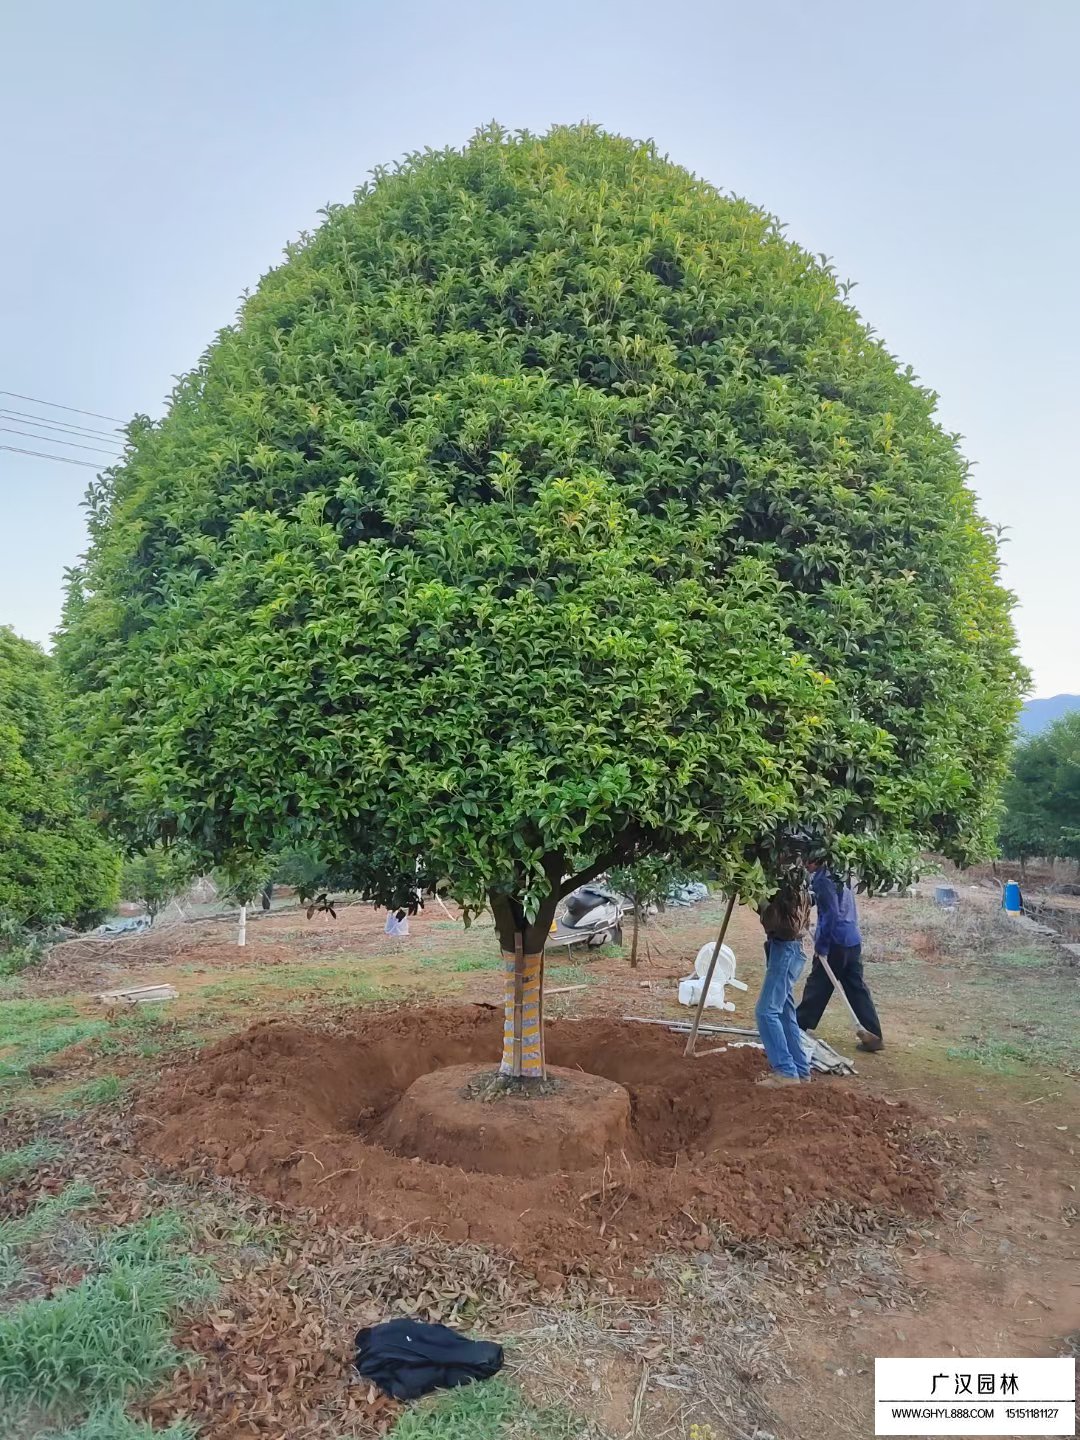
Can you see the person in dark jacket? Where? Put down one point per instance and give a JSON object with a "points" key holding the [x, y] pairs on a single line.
{"points": [[837, 938]]}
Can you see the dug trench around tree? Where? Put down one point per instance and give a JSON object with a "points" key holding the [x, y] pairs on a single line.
{"points": [[633, 1151]]}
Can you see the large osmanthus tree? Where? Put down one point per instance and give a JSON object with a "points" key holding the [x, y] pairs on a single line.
{"points": [[544, 510]]}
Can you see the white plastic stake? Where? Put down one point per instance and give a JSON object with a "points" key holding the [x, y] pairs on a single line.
{"points": [[241, 938]]}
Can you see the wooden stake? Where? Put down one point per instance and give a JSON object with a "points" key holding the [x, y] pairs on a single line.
{"points": [[241, 938], [692, 1038]]}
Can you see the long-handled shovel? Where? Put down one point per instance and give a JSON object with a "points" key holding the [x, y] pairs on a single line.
{"points": [[867, 1038]]}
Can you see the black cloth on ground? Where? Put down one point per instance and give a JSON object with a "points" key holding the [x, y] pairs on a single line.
{"points": [[407, 1358]]}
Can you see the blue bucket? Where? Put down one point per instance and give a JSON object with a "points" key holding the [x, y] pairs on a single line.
{"points": [[1011, 900]]}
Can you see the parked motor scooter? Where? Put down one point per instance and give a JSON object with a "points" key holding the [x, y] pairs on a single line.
{"points": [[593, 916]]}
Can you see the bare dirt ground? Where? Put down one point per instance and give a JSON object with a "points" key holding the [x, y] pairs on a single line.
{"points": [[752, 1310]]}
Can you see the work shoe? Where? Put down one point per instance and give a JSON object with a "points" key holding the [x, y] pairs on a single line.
{"points": [[770, 1082], [871, 1043]]}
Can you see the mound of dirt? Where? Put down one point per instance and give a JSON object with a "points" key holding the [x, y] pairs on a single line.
{"points": [[307, 1117], [453, 1116]]}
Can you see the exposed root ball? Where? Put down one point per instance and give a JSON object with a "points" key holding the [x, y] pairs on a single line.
{"points": [[444, 1118]]}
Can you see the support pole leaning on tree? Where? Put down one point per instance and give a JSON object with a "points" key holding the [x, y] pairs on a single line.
{"points": [[691, 1039]]}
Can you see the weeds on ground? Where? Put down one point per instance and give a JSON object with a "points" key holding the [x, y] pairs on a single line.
{"points": [[329, 980], [22, 1231], [134, 1032], [1023, 959], [969, 932], [109, 1422], [21, 1021], [94, 1092], [1000, 1056], [487, 1410], [93, 1344], [25, 1229], [39, 1046], [26, 1157], [565, 975], [460, 964]]}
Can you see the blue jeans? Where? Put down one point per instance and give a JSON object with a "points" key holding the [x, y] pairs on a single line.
{"points": [[775, 1009]]}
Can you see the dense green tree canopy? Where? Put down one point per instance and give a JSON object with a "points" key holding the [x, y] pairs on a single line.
{"points": [[1042, 795], [544, 508], [55, 868]]}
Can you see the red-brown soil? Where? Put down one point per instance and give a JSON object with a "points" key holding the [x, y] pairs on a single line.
{"points": [[296, 1112], [456, 1116]]}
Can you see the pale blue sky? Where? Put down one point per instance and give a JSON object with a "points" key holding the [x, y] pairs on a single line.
{"points": [[158, 156]]}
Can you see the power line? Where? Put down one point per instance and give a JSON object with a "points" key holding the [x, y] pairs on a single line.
{"points": [[55, 406], [55, 440], [60, 424], [66, 459]]}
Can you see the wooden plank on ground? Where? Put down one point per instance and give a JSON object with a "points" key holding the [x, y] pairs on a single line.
{"points": [[139, 995]]}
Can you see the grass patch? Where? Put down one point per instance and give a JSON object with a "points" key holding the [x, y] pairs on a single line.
{"points": [[40, 1047], [109, 1422], [36, 1222], [94, 1092], [1022, 959], [108, 1337], [148, 1242], [141, 1018], [32, 1030], [488, 1410], [460, 964], [27, 1157], [999, 1056], [19, 1019], [565, 975], [12, 1271], [333, 980]]}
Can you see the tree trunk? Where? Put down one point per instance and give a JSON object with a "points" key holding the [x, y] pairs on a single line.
{"points": [[522, 945], [634, 936], [1023, 868]]}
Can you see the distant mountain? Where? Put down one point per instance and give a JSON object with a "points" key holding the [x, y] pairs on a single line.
{"points": [[1038, 714]]}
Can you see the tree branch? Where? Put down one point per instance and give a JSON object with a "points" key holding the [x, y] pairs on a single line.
{"points": [[620, 853]]}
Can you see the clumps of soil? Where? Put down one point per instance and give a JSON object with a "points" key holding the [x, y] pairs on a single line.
{"points": [[308, 1118]]}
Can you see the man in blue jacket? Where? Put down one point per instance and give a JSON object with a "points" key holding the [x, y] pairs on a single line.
{"points": [[837, 938]]}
